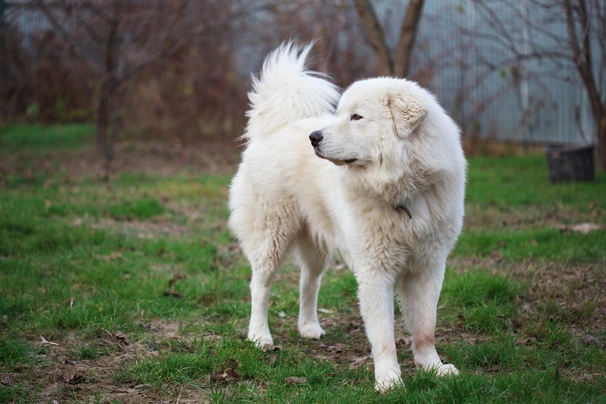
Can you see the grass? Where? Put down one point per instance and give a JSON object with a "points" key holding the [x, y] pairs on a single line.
{"points": [[133, 290], [27, 137]]}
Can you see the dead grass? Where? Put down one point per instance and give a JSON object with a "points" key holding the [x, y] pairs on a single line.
{"points": [[68, 377]]}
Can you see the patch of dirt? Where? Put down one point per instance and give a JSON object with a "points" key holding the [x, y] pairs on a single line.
{"points": [[64, 377], [153, 157], [531, 217], [148, 229]]}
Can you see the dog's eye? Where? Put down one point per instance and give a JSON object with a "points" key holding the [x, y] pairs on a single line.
{"points": [[355, 117]]}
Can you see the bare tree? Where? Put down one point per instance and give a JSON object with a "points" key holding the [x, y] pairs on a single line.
{"points": [[117, 39], [581, 33], [396, 64], [569, 34]]}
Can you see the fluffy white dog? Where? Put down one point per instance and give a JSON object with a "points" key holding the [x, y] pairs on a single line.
{"points": [[382, 181]]}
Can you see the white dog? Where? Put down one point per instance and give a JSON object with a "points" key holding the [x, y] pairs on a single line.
{"points": [[382, 182]]}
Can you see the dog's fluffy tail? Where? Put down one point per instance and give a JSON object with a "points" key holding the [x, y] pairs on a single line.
{"points": [[286, 91]]}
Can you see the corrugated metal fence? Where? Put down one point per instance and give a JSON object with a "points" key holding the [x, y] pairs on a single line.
{"points": [[476, 49]]}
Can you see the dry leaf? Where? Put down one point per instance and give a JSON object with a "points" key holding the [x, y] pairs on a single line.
{"points": [[583, 228], [272, 359], [269, 348], [225, 376], [281, 314], [45, 341], [175, 278], [591, 341], [496, 256], [173, 294], [47, 203], [73, 379], [295, 380], [121, 337], [356, 363], [111, 256]]}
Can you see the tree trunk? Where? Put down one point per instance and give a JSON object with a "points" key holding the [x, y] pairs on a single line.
{"points": [[386, 64], [103, 121], [408, 33], [376, 36], [107, 90], [581, 55], [601, 126]]}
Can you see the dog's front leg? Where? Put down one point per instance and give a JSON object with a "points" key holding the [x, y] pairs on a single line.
{"points": [[375, 291]]}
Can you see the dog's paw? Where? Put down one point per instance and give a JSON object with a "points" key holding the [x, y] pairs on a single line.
{"points": [[387, 382], [260, 340], [446, 370], [313, 331]]}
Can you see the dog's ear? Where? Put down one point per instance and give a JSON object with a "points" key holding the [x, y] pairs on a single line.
{"points": [[406, 112]]}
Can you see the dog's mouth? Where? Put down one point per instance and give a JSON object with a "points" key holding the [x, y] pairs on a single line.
{"points": [[333, 160]]}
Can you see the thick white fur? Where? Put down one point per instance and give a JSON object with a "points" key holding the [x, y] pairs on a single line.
{"points": [[290, 196]]}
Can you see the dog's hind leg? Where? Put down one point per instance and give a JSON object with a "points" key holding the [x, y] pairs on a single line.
{"points": [[312, 261], [419, 293], [265, 252]]}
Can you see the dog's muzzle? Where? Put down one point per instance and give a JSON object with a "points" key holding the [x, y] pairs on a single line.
{"points": [[315, 138]]}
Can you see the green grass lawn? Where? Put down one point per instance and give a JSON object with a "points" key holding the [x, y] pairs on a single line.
{"points": [[132, 290]]}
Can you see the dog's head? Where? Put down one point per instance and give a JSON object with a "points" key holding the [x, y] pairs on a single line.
{"points": [[374, 117]]}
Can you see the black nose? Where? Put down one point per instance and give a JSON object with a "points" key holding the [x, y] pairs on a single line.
{"points": [[316, 137]]}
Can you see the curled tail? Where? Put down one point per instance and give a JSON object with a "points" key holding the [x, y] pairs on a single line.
{"points": [[285, 92]]}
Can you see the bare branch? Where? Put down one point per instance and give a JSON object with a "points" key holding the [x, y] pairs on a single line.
{"points": [[582, 55], [376, 36], [408, 32], [65, 36]]}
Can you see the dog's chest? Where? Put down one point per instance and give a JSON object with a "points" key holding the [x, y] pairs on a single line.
{"points": [[380, 238]]}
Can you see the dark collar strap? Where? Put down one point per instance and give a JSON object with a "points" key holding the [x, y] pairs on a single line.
{"points": [[405, 209]]}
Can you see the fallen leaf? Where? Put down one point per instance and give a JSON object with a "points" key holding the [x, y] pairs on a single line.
{"points": [[225, 376], [153, 346], [47, 203], [325, 311], [591, 341], [111, 256], [295, 380], [356, 363], [496, 256], [73, 379], [173, 294], [268, 348], [272, 359], [525, 341], [8, 380], [45, 341], [281, 314], [333, 349], [175, 278], [583, 228], [212, 337], [121, 337]]}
